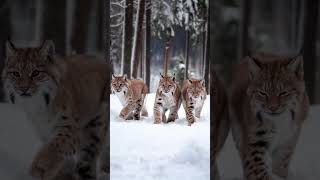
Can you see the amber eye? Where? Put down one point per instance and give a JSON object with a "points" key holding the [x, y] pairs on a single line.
{"points": [[283, 93], [35, 73], [262, 93], [15, 74]]}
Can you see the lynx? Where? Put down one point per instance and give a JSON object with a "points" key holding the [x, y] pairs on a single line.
{"points": [[63, 98], [167, 97], [131, 94], [268, 106], [193, 97]]}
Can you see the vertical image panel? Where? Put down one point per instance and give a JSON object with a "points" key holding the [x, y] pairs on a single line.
{"points": [[266, 54], [55, 77], [160, 98]]}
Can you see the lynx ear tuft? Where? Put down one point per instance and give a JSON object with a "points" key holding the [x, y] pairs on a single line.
{"points": [[296, 65], [202, 82], [47, 48], [254, 66], [10, 48], [161, 75]]}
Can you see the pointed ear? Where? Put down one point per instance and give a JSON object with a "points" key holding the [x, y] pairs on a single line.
{"points": [[202, 82], [47, 48], [113, 76], [190, 81], [125, 77], [174, 77], [296, 65], [10, 48], [254, 67], [161, 75]]}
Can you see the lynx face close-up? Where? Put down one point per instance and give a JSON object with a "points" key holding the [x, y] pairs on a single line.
{"points": [[275, 88], [27, 73]]}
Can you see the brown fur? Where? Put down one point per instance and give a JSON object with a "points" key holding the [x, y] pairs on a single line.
{"points": [[264, 84], [192, 90], [167, 97], [69, 92], [135, 91]]}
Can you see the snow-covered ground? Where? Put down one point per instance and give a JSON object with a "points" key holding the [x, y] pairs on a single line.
{"points": [[306, 161], [141, 150]]}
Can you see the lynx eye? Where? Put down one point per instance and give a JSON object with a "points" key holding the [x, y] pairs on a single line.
{"points": [[15, 74], [283, 93], [35, 73], [262, 93]]}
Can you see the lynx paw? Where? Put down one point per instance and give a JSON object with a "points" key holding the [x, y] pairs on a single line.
{"points": [[46, 164]]}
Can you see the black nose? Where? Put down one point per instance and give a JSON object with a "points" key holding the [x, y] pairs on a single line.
{"points": [[24, 89]]}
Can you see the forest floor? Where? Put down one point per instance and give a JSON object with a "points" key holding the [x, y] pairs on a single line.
{"points": [[141, 150]]}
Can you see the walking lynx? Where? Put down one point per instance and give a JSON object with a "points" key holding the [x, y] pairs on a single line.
{"points": [[268, 107], [193, 96], [131, 94], [64, 101]]}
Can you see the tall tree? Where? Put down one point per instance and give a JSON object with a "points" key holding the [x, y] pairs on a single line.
{"points": [[244, 41], [148, 42], [55, 24], [309, 45], [127, 39], [186, 53], [106, 46], [80, 25], [4, 35], [206, 54], [136, 49]]}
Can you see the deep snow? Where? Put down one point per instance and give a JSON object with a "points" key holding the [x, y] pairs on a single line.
{"points": [[141, 150]]}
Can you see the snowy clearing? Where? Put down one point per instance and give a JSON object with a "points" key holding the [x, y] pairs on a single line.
{"points": [[141, 150]]}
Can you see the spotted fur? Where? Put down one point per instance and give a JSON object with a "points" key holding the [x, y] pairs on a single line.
{"points": [[193, 97], [131, 94], [268, 107], [63, 100], [167, 98]]}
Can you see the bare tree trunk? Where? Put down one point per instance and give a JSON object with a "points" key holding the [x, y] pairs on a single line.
{"points": [[207, 61], [309, 45], [167, 49], [106, 47], [55, 24], [186, 55], [127, 39], [80, 26], [100, 8], [38, 21], [136, 50], [244, 41], [148, 42], [4, 35]]}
